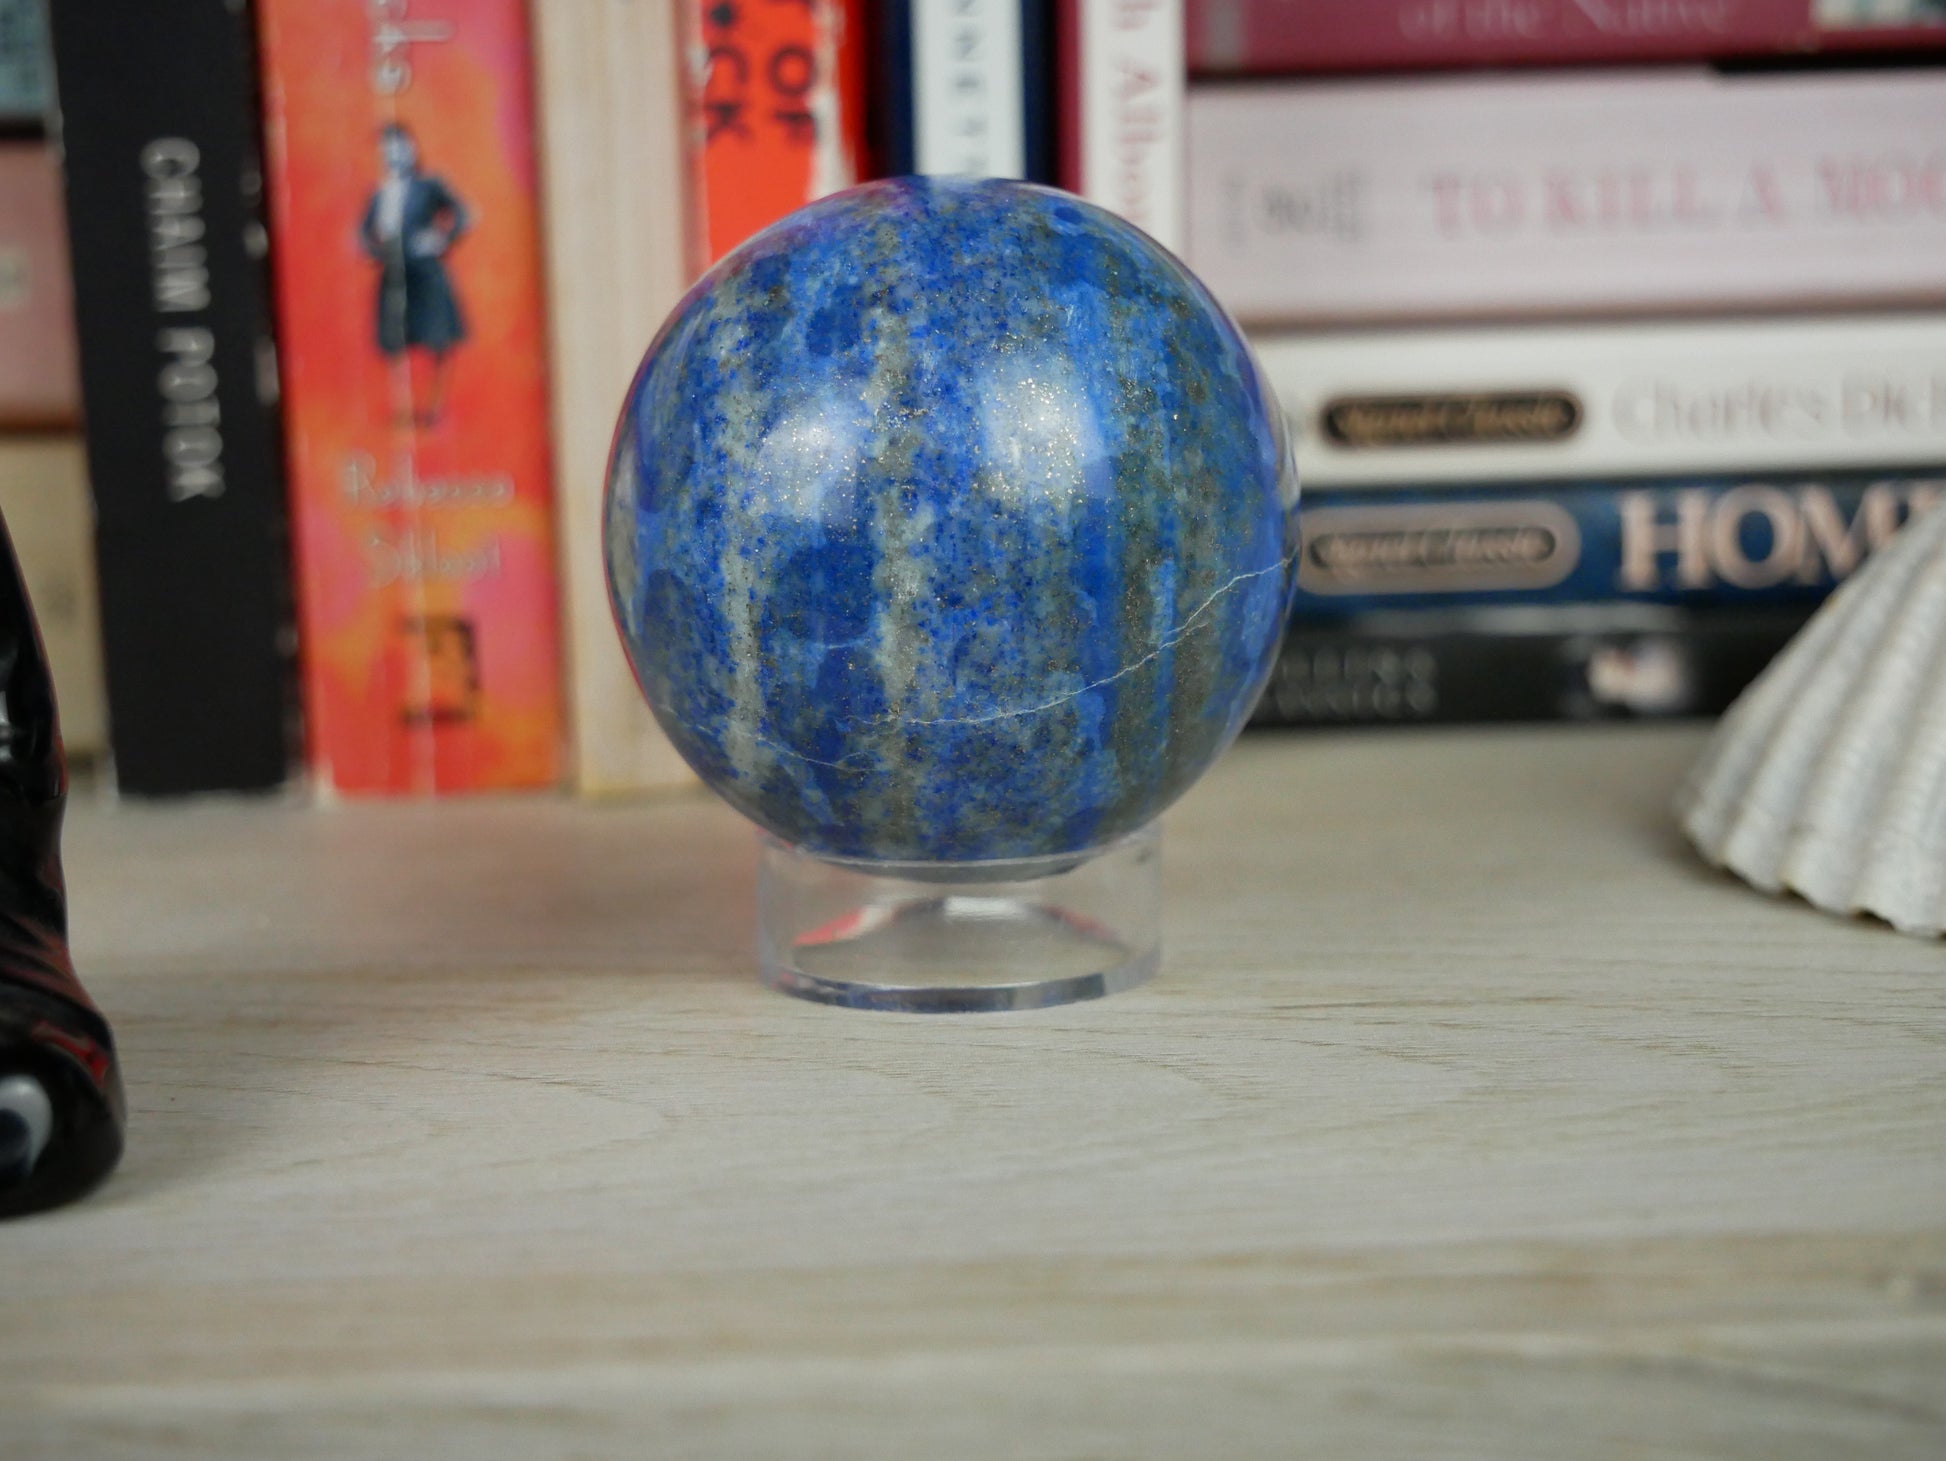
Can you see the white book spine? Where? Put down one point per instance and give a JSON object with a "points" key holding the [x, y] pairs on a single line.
{"points": [[612, 153], [968, 91], [1412, 407], [1604, 193], [1132, 70]]}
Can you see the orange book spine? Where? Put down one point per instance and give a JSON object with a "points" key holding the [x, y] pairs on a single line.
{"points": [[405, 245], [777, 111]]}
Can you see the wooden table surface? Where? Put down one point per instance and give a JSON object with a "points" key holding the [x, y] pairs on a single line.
{"points": [[1469, 1117]]}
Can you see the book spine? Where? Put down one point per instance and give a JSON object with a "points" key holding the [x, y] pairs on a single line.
{"points": [[777, 112], [44, 499], [612, 161], [1123, 110], [1039, 101], [409, 303], [1481, 404], [1622, 662], [1068, 93], [1686, 542], [39, 380], [969, 99], [895, 110], [1604, 193], [1243, 36], [965, 87], [157, 128], [25, 65]]}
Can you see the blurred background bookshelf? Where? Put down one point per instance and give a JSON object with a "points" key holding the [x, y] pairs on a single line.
{"points": [[1612, 335]]}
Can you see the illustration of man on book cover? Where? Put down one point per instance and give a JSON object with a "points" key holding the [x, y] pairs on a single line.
{"points": [[412, 348], [411, 223]]}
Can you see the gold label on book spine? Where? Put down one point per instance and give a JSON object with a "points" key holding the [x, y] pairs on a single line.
{"points": [[1461, 418], [1445, 548]]}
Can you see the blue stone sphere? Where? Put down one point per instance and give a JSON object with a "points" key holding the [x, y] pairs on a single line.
{"points": [[950, 521]]}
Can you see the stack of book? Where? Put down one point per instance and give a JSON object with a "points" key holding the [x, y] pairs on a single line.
{"points": [[1601, 377], [1605, 366], [361, 286]]}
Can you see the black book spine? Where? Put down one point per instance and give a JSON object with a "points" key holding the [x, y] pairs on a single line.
{"points": [[1037, 90], [157, 121], [1570, 663]]}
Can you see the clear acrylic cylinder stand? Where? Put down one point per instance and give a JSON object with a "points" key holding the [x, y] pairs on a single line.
{"points": [[930, 937]]}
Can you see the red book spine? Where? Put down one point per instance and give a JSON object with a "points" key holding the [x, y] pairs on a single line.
{"points": [[1240, 36], [404, 233], [39, 385], [1067, 95], [776, 110]]}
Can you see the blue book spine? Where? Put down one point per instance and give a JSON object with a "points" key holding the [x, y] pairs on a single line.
{"points": [[26, 64], [1037, 21], [1689, 542], [892, 75]]}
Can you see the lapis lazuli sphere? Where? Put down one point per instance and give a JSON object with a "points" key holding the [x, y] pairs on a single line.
{"points": [[950, 521]]}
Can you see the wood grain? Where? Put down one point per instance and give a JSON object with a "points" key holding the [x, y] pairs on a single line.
{"points": [[612, 171], [1470, 1116]]}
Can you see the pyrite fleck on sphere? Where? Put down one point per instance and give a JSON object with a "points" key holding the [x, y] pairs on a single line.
{"points": [[950, 521]]}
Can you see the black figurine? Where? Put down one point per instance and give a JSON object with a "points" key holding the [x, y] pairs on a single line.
{"points": [[61, 1107]]}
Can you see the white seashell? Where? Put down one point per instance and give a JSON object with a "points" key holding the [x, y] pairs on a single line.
{"points": [[1828, 776]]}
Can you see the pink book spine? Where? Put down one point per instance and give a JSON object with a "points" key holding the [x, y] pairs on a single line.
{"points": [[1596, 194], [1230, 36], [39, 380]]}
